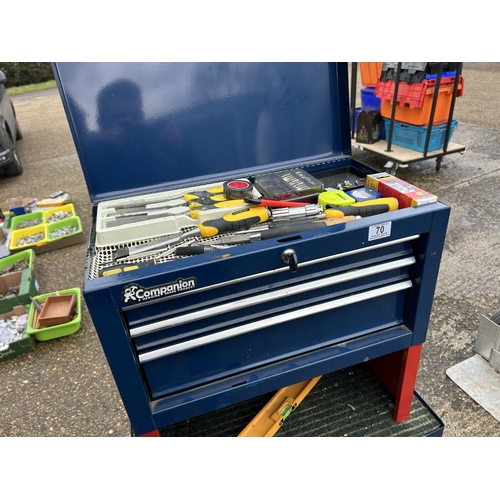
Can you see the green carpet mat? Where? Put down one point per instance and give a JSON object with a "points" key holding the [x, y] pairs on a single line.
{"points": [[350, 402]]}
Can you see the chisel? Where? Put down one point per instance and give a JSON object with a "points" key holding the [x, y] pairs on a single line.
{"points": [[124, 221], [144, 209], [176, 198], [196, 208], [228, 191], [121, 219]]}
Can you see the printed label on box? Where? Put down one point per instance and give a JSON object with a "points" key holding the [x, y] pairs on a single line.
{"points": [[407, 194]]}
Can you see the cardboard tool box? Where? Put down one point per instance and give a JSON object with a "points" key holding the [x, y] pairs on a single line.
{"points": [[186, 335]]}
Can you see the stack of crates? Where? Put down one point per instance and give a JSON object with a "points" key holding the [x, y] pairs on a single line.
{"points": [[368, 122], [414, 102]]}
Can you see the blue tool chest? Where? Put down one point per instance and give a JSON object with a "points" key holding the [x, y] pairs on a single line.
{"points": [[186, 336]]}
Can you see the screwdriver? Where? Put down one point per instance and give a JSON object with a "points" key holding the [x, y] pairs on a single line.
{"points": [[363, 208], [281, 230], [234, 221], [196, 250]]}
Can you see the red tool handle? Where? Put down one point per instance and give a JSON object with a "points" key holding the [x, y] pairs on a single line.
{"points": [[275, 203]]}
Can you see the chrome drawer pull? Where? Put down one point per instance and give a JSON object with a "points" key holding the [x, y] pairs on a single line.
{"points": [[267, 297], [328, 258], [275, 320]]}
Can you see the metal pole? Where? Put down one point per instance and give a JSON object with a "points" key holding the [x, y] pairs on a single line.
{"points": [[393, 111], [458, 72], [433, 109], [354, 77]]}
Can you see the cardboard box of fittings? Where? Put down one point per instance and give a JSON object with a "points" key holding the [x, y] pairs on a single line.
{"points": [[25, 344], [17, 289]]}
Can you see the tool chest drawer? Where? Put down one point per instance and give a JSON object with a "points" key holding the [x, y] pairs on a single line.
{"points": [[253, 307], [230, 328]]}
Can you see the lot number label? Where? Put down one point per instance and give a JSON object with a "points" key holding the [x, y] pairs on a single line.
{"points": [[379, 231]]}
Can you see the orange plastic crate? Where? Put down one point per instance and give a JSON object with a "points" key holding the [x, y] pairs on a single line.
{"points": [[370, 73], [412, 94], [421, 116]]}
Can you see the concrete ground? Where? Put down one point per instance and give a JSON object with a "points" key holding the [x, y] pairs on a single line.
{"points": [[65, 388]]}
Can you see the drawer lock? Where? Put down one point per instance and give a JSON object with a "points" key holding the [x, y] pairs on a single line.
{"points": [[290, 257]]}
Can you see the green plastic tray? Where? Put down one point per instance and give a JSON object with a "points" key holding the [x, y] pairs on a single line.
{"points": [[54, 332], [71, 221], [14, 223], [19, 256]]}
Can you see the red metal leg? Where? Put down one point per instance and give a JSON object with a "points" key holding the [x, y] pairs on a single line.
{"points": [[407, 379], [398, 373], [155, 433]]}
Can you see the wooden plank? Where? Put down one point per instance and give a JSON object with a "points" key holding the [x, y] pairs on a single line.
{"points": [[405, 155]]}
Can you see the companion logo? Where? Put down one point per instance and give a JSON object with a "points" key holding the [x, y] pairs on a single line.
{"points": [[136, 293]]}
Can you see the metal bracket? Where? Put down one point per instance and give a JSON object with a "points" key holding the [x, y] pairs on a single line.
{"points": [[488, 341]]}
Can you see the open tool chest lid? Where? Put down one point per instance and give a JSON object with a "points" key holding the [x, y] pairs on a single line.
{"points": [[145, 127]]}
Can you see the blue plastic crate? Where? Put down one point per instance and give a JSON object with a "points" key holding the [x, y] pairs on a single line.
{"points": [[413, 137], [444, 74], [369, 101]]}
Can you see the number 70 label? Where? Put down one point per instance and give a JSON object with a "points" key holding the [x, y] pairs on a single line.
{"points": [[378, 231]]}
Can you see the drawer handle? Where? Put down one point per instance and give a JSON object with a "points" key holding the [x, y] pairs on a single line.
{"points": [[290, 257], [275, 320], [208, 312], [328, 258]]}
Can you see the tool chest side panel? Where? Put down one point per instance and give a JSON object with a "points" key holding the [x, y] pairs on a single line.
{"points": [[109, 324], [138, 125], [428, 252]]}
